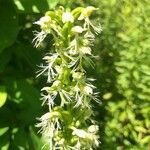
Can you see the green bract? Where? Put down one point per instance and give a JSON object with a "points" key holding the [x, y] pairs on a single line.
{"points": [[66, 125]]}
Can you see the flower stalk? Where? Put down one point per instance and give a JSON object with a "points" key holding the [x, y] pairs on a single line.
{"points": [[69, 94]]}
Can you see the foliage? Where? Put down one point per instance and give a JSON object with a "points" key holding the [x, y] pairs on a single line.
{"points": [[122, 72], [18, 60], [125, 45]]}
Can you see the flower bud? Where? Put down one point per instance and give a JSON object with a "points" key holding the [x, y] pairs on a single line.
{"points": [[67, 17]]}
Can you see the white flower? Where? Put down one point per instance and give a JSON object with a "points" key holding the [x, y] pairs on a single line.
{"points": [[44, 21], [86, 12], [78, 99], [47, 25], [90, 37], [45, 116], [39, 37], [85, 15], [49, 67], [91, 137], [73, 48], [77, 75], [89, 24], [93, 128], [88, 90], [67, 17], [73, 52], [80, 133], [85, 50], [65, 97], [49, 123], [49, 99], [56, 83], [51, 58]]}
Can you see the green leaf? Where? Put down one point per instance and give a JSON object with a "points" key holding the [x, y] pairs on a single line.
{"points": [[26, 55], [4, 140], [145, 140], [20, 138], [107, 96], [36, 6], [8, 25], [37, 142], [52, 3], [3, 95], [5, 147], [26, 97], [4, 59], [3, 130]]}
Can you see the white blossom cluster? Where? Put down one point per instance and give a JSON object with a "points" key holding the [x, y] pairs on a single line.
{"points": [[69, 93]]}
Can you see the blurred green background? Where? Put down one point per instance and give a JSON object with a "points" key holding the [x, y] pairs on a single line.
{"points": [[122, 71]]}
